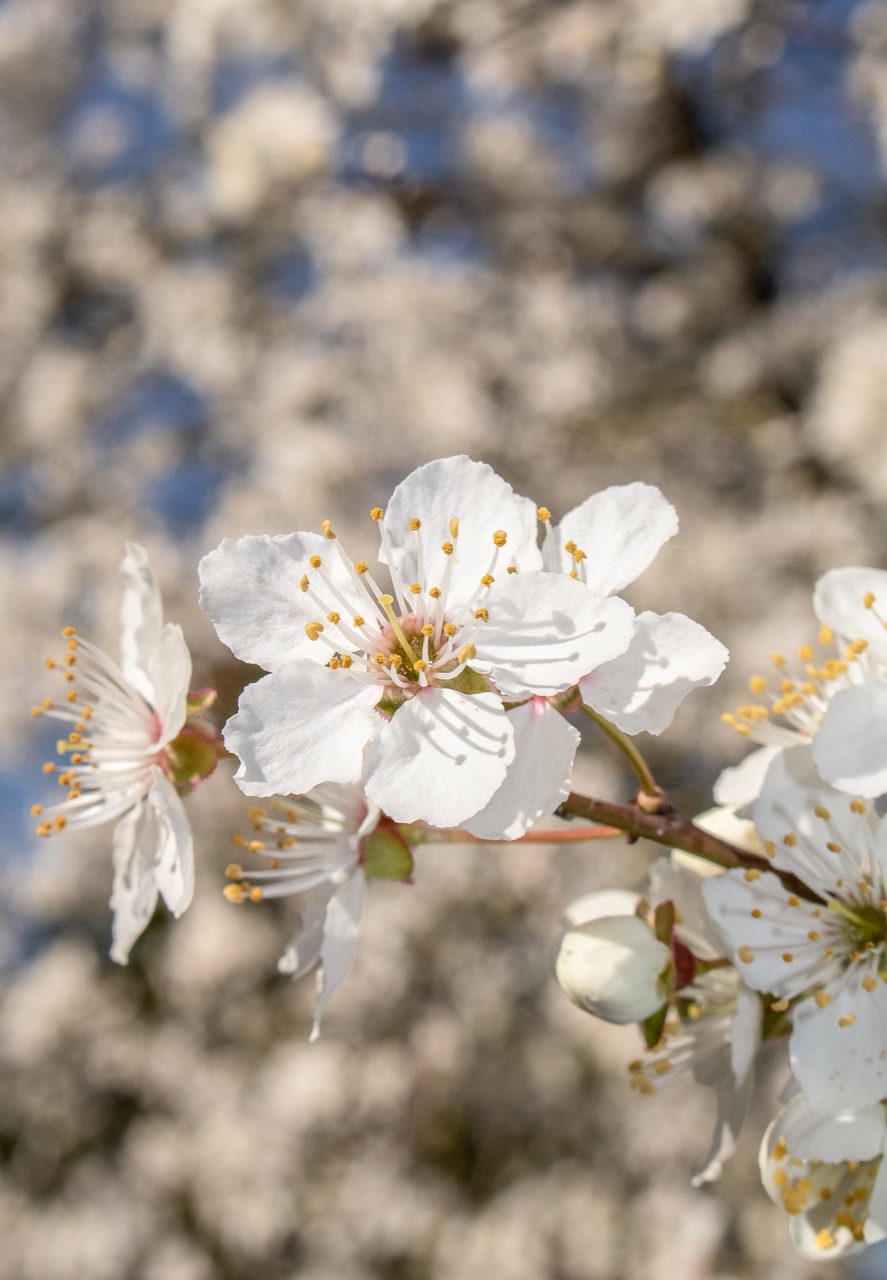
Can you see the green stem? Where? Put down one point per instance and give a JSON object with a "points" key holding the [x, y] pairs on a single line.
{"points": [[629, 750]]}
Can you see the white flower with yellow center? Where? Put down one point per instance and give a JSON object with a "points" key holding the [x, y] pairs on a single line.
{"points": [[427, 691], [821, 949], [118, 753], [319, 847], [605, 543], [828, 1174], [834, 698]]}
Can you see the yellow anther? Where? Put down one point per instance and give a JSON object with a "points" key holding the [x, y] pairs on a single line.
{"points": [[454, 527], [416, 588], [50, 664], [377, 513], [859, 646], [358, 621], [234, 893], [316, 561], [869, 983], [70, 659], [769, 849], [334, 618], [450, 628], [857, 806], [826, 635], [313, 630], [415, 524], [780, 1150], [61, 822], [381, 659], [777, 659], [483, 614], [570, 546], [71, 646], [36, 711], [86, 713], [428, 629], [49, 767], [487, 580], [304, 584], [779, 1006], [74, 738], [256, 815], [794, 901], [662, 1068], [756, 913], [833, 847], [434, 592], [512, 568], [779, 707], [787, 957], [347, 660], [824, 1239], [327, 530], [361, 567], [543, 514], [746, 955], [805, 653], [447, 548], [420, 664], [35, 809], [255, 894], [234, 871], [579, 555], [868, 599], [238, 842], [757, 685], [808, 688], [790, 839], [500, 537], [752, 874], [466, 653], [786, 686], [729, 718], [44, 829], [822, 812], [69, 631], [847, 1020], [395, 661], [68, 675]]}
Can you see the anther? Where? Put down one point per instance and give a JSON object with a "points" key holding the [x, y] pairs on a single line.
{"points": [[868, 599], [327, 530], [869, 983], [847, 1020], [428, 629], [434, 592], [361, 567], [487, 580], [805, 653], [454, 527], [49, 767], [358, 621], [234, 871], [50, 664], [35, 809], [69, 631], [416, 588], [450, 628], [347, 660], [777, 659], [255, 894], [415, 524], [757, 685], [826, 635], [234, 893], [543, 514], [483, 614], [316, 561], [420, 664], [466, 653], [376, 513], [822, 812], [822, 998], [447, 548], [857, 806], [304, 582], [500, 537], [313, 630], [746, 955]]}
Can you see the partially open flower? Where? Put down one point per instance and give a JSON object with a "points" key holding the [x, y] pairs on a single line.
{"points": [[615, 968]]}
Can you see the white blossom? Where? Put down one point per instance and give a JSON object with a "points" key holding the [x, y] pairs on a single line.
{"points": [[429, 691], [615, 967], [821, 949], [827, 1173], [120, 723]]}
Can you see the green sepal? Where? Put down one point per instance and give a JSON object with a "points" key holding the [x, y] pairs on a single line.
{"points": [[192, 756], [654, 1026], [469, 681], [386, 856], [663, 921]]}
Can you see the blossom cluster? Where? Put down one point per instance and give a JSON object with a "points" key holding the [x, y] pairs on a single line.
{"points": [[433, 696]]}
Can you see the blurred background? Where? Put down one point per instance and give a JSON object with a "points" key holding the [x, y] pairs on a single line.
{"points": [[259, 259]]}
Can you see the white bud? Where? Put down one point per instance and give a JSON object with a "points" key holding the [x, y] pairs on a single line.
{"points": [[615, 968]]}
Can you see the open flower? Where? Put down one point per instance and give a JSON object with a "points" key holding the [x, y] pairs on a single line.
{"points": [[828, 1174], [320, 848], [833, 699], [605, 543], [823, 949], [429, 691], [120, 753]]}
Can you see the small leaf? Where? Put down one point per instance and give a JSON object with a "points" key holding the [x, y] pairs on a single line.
{"points": [[654, 1025]]}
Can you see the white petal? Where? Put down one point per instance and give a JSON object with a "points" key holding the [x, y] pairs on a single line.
{"points": [[300, 726], [250, 588], [340, 934], [741, 783], [850, 748], [679, 878], [441, 758], [787, 804], [745, 1034], [169, 670], [839, 601], [141, 618], [174, 848], [759, 944], [600, 904], [620, 530], [850, 1135], [303, 951], [734, 1096], [134, 895], [839, 1067], [483, 503], [641, 689], [546, 631], [538, 778]]}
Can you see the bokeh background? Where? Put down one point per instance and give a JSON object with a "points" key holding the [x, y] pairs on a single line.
{"points": [[258, 259]]}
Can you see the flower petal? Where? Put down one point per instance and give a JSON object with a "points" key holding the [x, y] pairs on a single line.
{"points": [[340, 933], [538, 778], [668, 656], [735, 1087], [482, 502], [546, 631], [303, 950], [839, 601], [620, 530], [850, 1135], [839, 1052], [598, 905], [134, 895], [169, 670], [250, 588], [300, 726], [850, 748], [141, 618], [174, 847], [740, 784], [441, 758]]}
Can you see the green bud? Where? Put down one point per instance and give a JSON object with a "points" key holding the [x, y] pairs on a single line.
{"points": [[386, 856]]}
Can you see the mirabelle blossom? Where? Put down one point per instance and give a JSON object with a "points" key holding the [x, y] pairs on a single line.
{"points": [[820, 948], [427, 692], [124, 748]]}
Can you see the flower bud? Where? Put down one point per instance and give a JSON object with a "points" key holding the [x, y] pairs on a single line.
{"points": [[615, 968]]}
